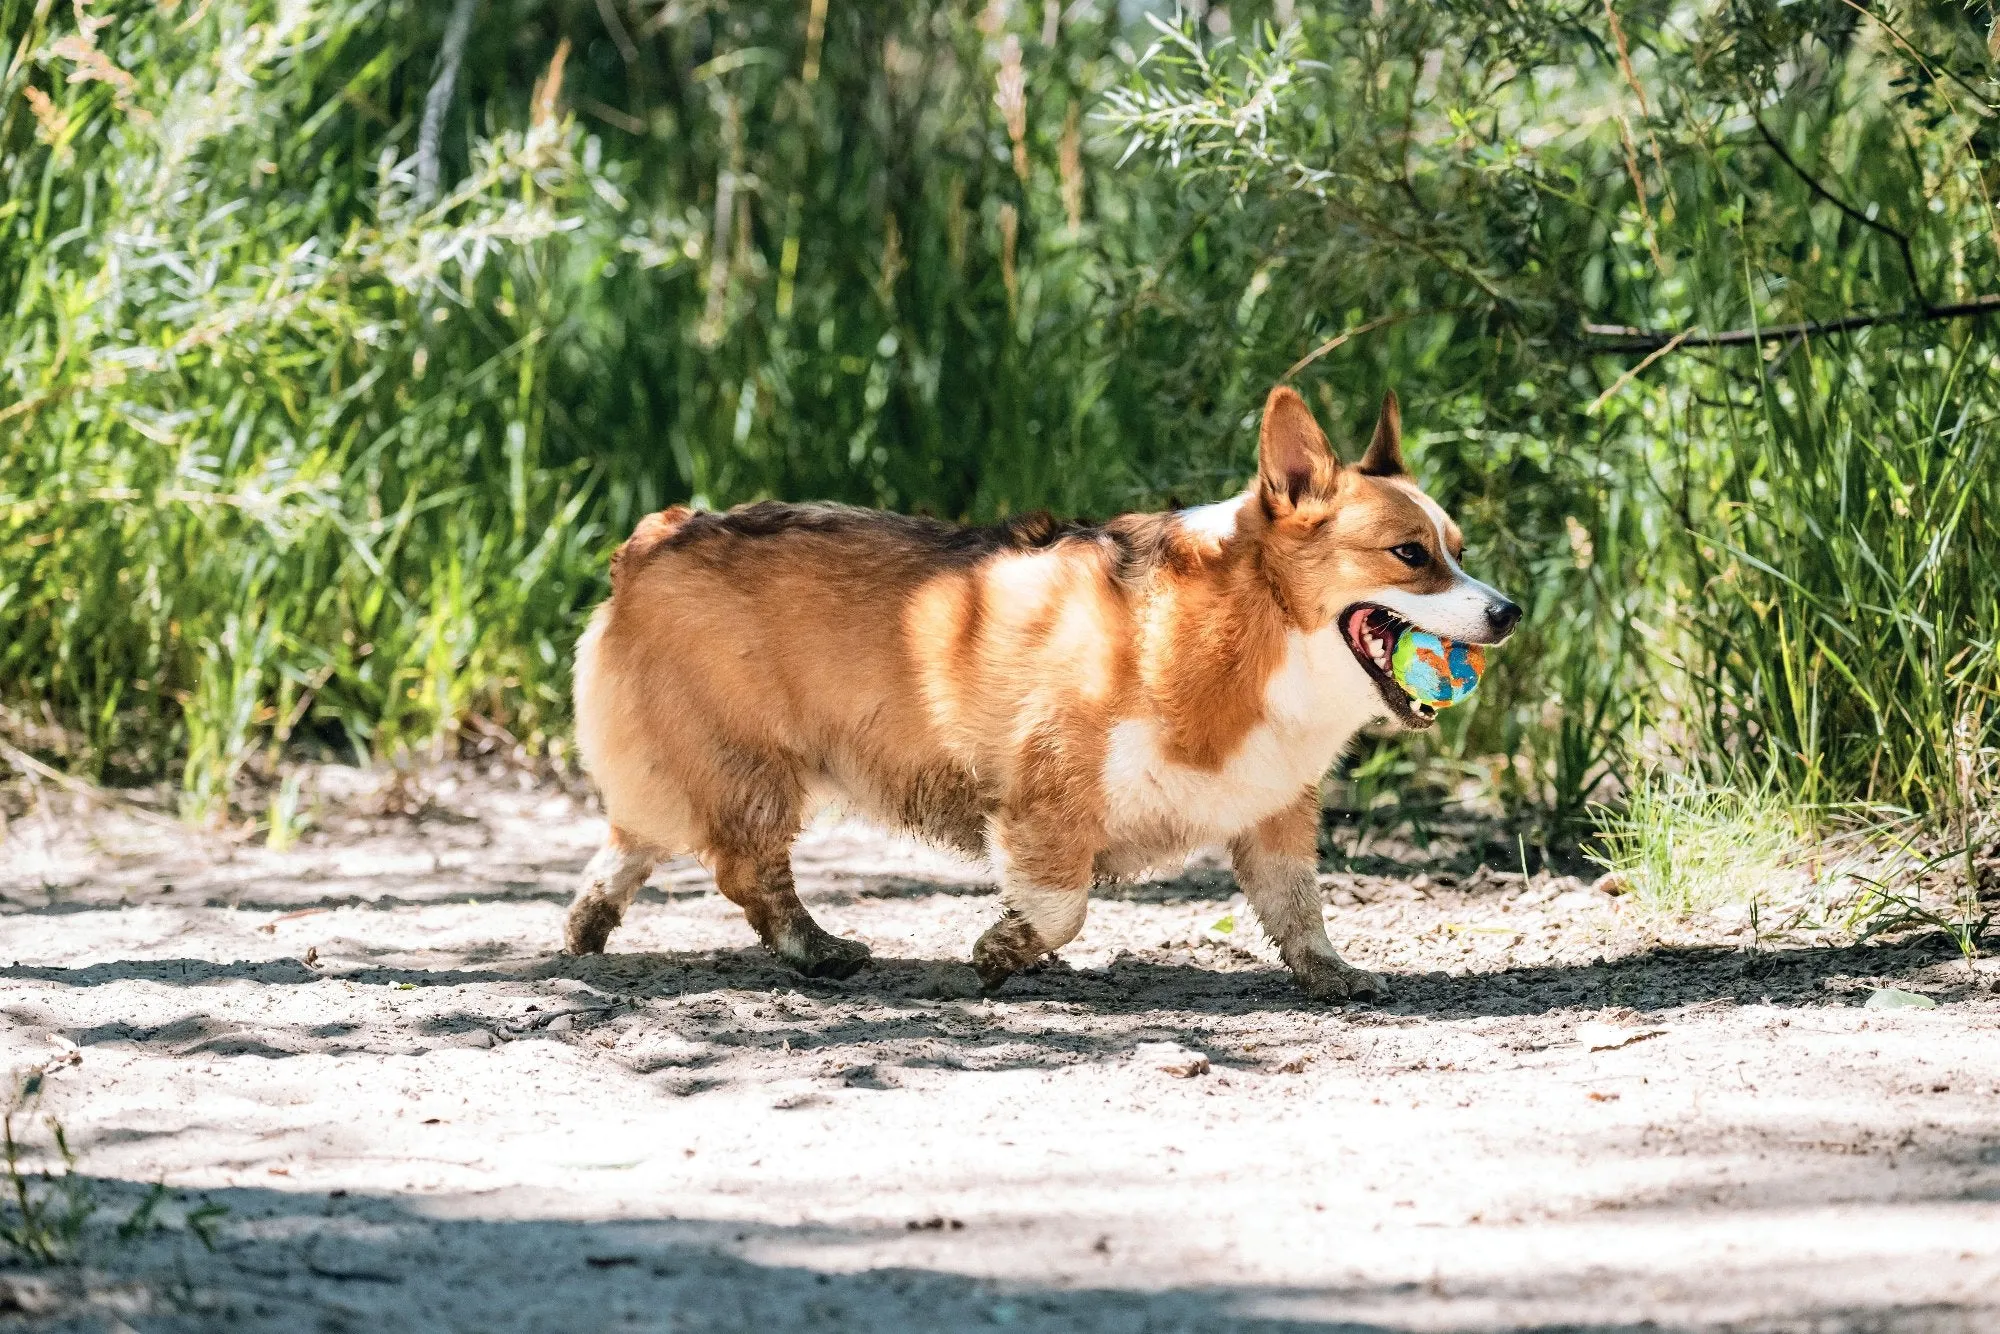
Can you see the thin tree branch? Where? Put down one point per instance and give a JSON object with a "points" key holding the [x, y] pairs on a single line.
{"points": [[1395, 317], [1625, 338], [438, 100], [1635, 372], [1985, 108], [1900, 237]]}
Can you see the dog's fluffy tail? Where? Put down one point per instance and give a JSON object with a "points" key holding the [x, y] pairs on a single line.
{"points": [[652, 532]]}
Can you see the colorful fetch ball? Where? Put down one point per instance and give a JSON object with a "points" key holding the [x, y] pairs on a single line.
{"points": [[1439, 672]]}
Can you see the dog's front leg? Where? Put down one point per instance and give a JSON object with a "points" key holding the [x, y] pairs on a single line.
{"points": [[610, 882], [1275, 865], [1044, 869]]}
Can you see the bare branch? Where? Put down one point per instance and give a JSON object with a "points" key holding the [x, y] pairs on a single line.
{"points": [[1396, 317], [1901, 238], [1625, 338], [1635, 373]]}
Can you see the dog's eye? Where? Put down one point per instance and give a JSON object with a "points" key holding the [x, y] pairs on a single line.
{"points": [[1411, 554]]}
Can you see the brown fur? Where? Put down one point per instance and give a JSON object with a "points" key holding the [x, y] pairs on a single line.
{"points": [[962, 684]]}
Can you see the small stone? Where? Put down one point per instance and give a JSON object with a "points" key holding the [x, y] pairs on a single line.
{"points": [[562, 1023], [29, 1296], [795, 1094], [478, 1037], [862, 1077], [1178, 1061], [661, 1051]]}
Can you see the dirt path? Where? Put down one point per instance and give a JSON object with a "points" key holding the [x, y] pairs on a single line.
{"points": [[418, 1117]]}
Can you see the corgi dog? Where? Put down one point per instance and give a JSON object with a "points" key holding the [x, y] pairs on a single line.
{"points": [[1077, 703]]}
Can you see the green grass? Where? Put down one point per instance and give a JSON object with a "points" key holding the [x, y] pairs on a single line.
{"points": [[1680, 845], [1848, 592], [45, 1212], [1771, 561], [252, 480], [289, 456], [47, 1207]]}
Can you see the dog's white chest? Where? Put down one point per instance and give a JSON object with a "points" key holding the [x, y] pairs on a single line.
{"points": [[1313, 705]]}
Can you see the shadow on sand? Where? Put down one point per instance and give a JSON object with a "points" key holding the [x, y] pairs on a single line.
{"points": [[296, 1261]]}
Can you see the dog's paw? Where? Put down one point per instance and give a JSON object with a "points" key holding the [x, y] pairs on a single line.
{"points": [[824, 955], [1008, 946], [589, 925], [840, 960], [1335, 982]]}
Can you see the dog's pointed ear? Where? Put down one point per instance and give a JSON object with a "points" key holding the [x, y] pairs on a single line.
{"points": [[1293, 458], [1385, 452]]}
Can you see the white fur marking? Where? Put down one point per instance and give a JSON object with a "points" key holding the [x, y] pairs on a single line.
{"points": [[1457, 613], [1435, 513], [1217, 521], [1055, 912], [1314, 704]]}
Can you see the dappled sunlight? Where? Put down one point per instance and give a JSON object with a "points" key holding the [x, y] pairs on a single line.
{"points": [[1554, 1118]]}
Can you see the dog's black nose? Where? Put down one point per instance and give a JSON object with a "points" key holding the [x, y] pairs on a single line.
{"points": [[1503, 616]]}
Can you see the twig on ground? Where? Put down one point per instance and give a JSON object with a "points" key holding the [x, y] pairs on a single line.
{"points": [[270, 928], [545, 1018], [34, 768]]}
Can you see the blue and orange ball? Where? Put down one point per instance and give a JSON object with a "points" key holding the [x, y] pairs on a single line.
{"points": [[1439, 672]]}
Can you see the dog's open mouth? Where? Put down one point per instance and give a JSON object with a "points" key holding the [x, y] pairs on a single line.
{"points": [[1372, 633]]}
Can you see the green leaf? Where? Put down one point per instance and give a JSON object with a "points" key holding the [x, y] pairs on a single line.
{"points": [[1894, 998]]}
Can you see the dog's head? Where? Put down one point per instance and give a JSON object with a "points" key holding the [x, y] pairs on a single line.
{"points": [[1361, 547]]}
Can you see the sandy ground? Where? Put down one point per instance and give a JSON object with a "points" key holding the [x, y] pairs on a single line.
{"points": [[418, 1116]]}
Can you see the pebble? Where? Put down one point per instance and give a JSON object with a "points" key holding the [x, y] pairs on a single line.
{"points": [[1178, 1061]]}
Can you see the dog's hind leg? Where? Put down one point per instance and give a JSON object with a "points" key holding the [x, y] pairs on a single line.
{"points": [[1275, 865], [761, 884], [609, 883]]}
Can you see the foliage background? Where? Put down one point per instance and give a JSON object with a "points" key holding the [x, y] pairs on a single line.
{"points": [[296, 450]]}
